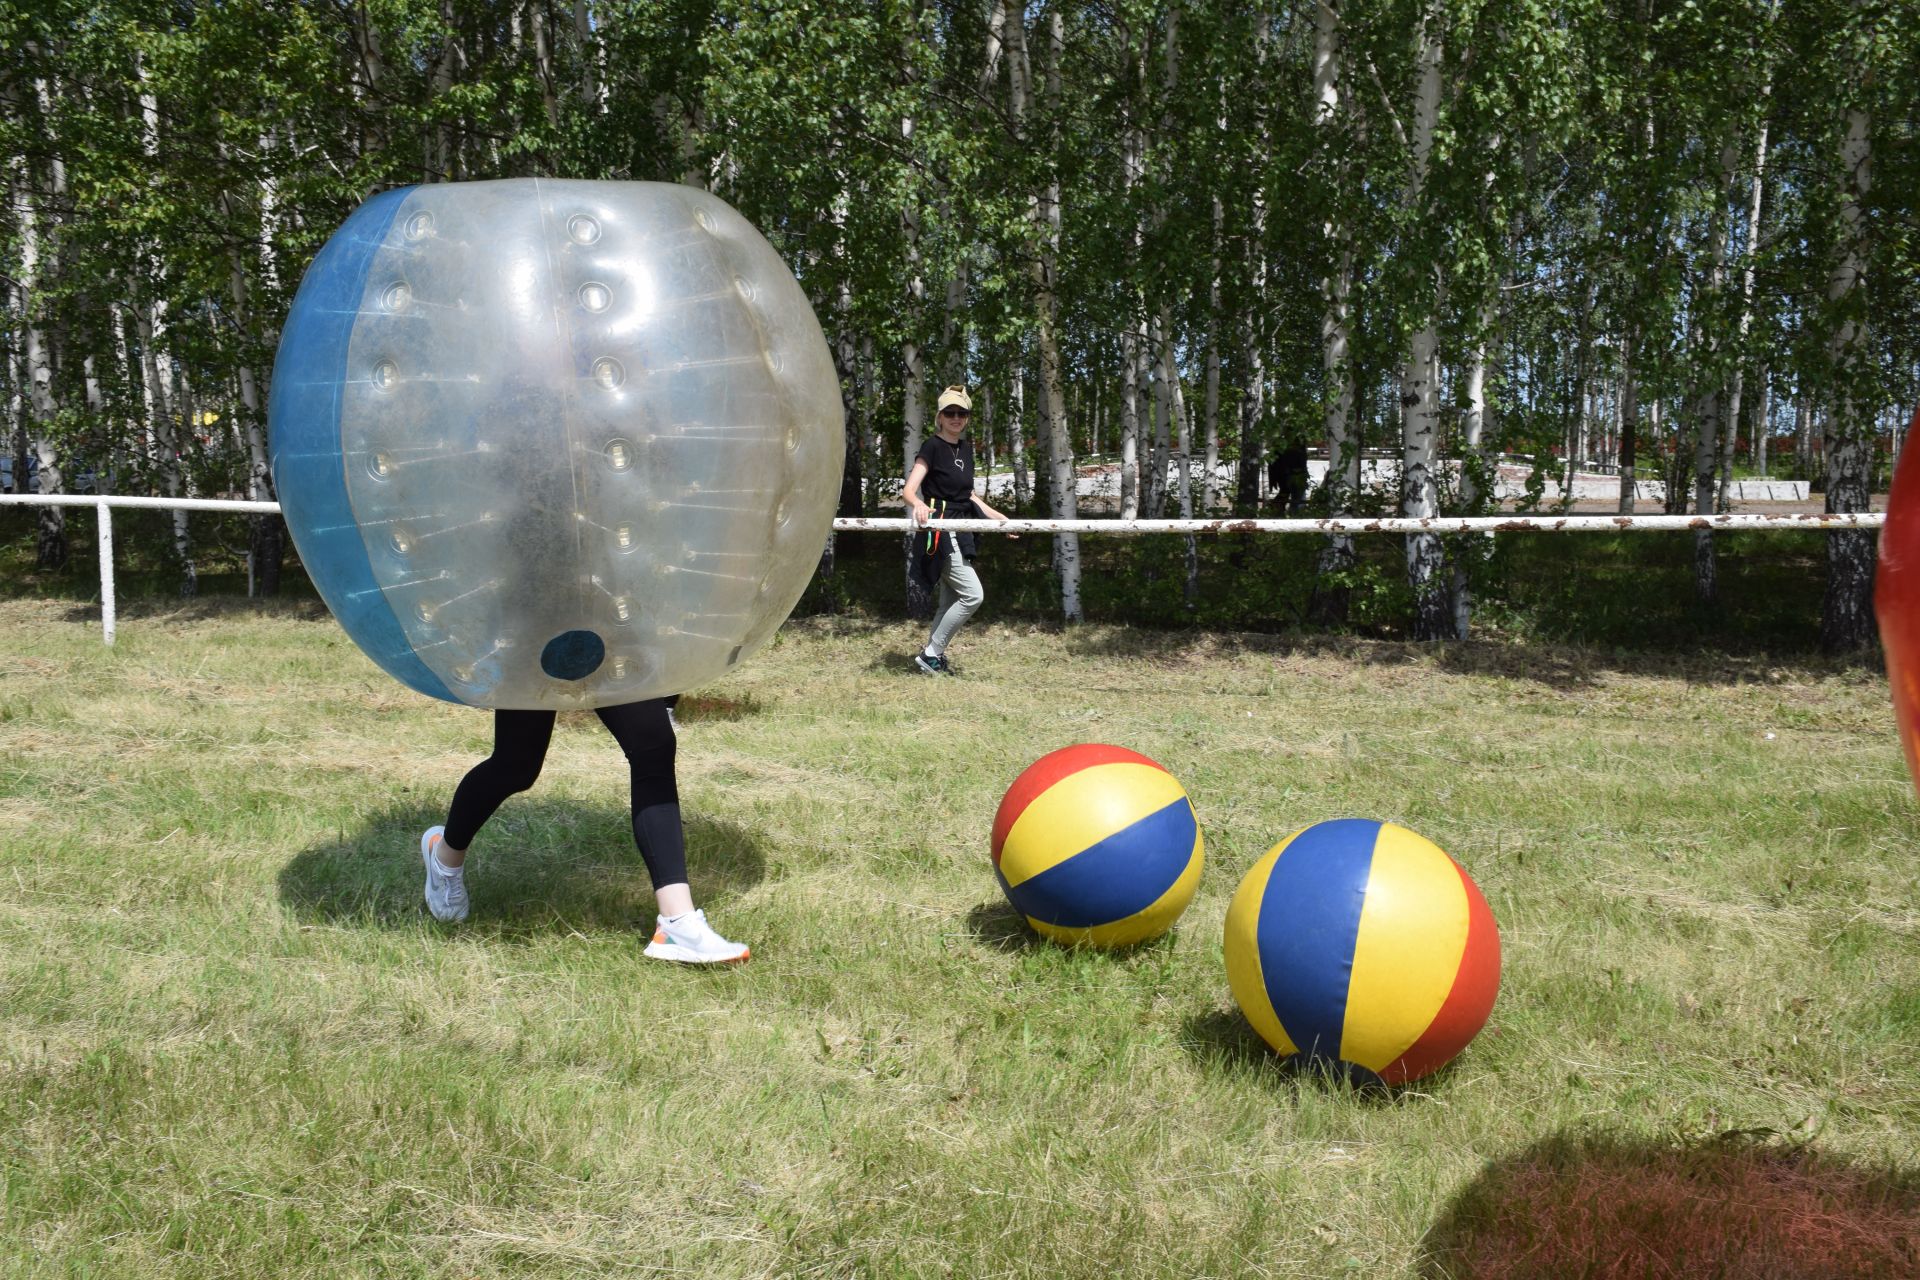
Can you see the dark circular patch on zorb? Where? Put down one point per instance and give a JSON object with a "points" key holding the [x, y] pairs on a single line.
{"points": [[573, 655]]}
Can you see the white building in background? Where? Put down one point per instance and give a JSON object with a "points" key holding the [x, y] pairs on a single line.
{"points": [[1103, 481]]}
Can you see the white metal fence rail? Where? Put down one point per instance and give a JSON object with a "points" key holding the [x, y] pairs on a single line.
{"points": [[103, 506]]}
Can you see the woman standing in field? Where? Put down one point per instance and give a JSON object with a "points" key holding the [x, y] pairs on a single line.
{"points": [[646, 733], [944, 471]]}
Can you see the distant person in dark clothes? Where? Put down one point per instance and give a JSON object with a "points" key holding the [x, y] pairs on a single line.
{"points": [[944, 474], [1287, 478]]}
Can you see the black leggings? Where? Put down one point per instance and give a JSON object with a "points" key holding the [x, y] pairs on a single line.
{"points": [[520, 740]]}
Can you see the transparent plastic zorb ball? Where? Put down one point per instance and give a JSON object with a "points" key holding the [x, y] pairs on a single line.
{"points": [[555, 444]]}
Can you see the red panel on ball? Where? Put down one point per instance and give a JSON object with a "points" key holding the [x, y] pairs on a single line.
{"points": [[1465, 1010], [1049, 769], [1896, 598]]}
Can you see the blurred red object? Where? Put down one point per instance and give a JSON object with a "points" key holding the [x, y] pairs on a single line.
{"points": [[1896, 597]]}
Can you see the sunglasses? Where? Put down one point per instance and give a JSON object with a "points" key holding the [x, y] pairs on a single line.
{"points": [[956, 413]]}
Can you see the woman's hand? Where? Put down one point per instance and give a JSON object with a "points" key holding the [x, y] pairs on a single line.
{"points": [[921, 511]]}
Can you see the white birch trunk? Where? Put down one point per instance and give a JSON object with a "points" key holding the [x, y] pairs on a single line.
{"points": [[995, 43], [873, 465], [165, 431], [543, 62], [1162, 453], [1064, 499], [1335, 316], [1211, 502], [1159, 455], [1093, 420], [1737, 388], [269, 221], [592, 73], [1846, 615], [16, 400], [1802, 429], [1473, 422], [1419, 393], [913, 401], [1707, 406], [1629, 423], [1017, 439], [51, 551], [1129, 427], [1183, 415], [1133, 164]]}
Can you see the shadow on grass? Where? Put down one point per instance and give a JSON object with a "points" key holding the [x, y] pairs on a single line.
{"points": [[537, 868], [1561, 667], [1223, 1041], [996, 924], [895, 662], [203, 608], [1739, 1206]]}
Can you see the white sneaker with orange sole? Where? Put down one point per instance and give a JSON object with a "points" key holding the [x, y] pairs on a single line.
{"points": [[689, 939], [446, 886]]}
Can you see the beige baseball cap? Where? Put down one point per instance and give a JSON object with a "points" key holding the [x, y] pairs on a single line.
{"points": [[956, 397]]}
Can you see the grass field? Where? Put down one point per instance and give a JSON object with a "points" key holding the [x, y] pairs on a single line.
{"points": [[234, 1045]]}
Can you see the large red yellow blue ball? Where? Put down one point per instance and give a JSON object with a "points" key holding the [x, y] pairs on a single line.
{"points": [[1896, 598], [1097, 846], [1354, 941]]}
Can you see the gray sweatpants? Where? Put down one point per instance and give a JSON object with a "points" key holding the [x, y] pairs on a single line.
{"points": [[960, 595]]}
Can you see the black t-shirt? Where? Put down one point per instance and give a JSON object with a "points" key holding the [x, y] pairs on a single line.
{"points": [[949, 470]]}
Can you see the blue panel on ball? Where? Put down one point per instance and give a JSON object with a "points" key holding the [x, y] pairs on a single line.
{"points": [[1123, 874], [308, 465], [573, 655], [1320, 879]]}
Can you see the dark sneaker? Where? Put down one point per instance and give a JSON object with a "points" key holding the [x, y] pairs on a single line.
{"points": [[930, 666]]}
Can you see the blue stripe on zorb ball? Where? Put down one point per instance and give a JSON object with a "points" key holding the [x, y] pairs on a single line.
{"points": [[1306, 968], [1121, 875], [303, 413]]}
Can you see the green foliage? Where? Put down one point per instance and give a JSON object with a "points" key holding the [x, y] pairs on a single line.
{"points": [[176, 167]]}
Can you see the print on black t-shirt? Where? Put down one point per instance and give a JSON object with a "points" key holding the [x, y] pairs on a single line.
{"points": [[949, 470]]}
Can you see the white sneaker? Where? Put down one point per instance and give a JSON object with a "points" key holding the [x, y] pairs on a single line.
{"points": [[446, 886], [691, 940]]}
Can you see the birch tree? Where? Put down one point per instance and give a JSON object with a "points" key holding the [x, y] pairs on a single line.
{"points": [[1846, 615], [1061, 486], [1419, 376], [1337, 394]]}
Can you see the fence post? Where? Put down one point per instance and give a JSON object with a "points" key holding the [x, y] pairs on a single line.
{"points": [[106, 570]]}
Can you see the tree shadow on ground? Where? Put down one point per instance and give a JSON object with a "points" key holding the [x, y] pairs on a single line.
{"points": [[1742, 1206], [1559, 666], [206, 608], [537, 868]]}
